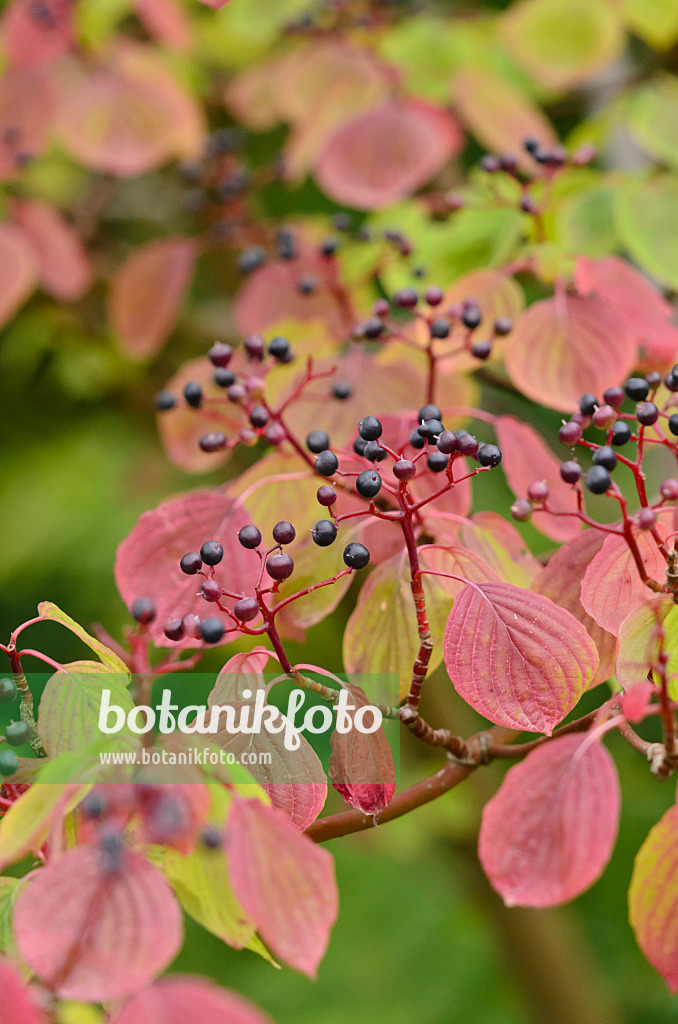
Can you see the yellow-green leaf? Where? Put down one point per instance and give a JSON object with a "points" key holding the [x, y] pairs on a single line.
{"points": [[653, 119], [646, 214], [655, 21], [27, 823], [47, 610], [68, 715]]}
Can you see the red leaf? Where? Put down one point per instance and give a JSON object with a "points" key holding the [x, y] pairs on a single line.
{"points": [[527, 459], [568, 345], [147, 292], [27, 107], [387, 153], [653, 898], [284, 882], [635, 703], [17, 1005], [34, 34], [645, 310], [166, 22], [561, 580], [130, 117], [120, 930], [361, 766], [18, 270], [147, 561], [179, 999], [549, 831], [65, 268], [516, 657], [612, 587]]}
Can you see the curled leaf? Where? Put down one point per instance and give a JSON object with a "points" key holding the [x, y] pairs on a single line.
{"points": [[361, 765]]}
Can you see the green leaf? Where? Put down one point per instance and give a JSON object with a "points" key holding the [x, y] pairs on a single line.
{"points": [[655, 21], [653, 119], [585, 222], [47, 610], [638, 648], [68, 715], [646, 215], [27, 823], [9, 889]]}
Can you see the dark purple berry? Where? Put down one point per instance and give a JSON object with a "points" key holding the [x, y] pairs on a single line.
{"points": [[326, 463], [467, 444], [372, 327], [342, 390], [212, 630], [329, 247], [373, 452], [193, 394], [165, 400], [359, 445], [647, 413], [570, 472], [654, 379], [637, 389], [673, 423], [317, 441], [482, 349], [430, 429], [587, 404], [598, 480], [224, 378], [434, 296], [342, 221], [213, 442], [284, 532], [279, 348], [259, 416], [368, 483], [210, 837], [220, 354], [191, 563], [211, 552], [671, 382], [404, 469], [324, 533], [614, 397], [173, 629], [429, 412], [255, 346], [605, 457], [490, 163], [437, 462], [286, 244], [416, 440], [143, 610], [279, 566], [447, 442], [502, 326], [211, 590], [326, 495], [356, 556], [249, 537], [440, 328], [489, 455], [570, 433], [471, 317], [406, 298], [246, 609], [369, 428], [621, 433]]}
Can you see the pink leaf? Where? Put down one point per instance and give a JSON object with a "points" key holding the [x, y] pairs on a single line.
{"points": [[561, 580], [17, 1004], [568, 345], [361, 766], [284, 882], [18, 270], [147, 562], [65, 268], [653, 898], [147, 292], [635, 703], [612, 587], [179, 999], [214, 4], [549, 831], [387, 153], [27, 107], [516, 657], [166, 21], [527, 459], [121, 929], [34, 34], [644, 309]]}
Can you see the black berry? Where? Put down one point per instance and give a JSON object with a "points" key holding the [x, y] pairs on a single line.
{"points": [[598, 480], [404, 469], [605, 457], [502, 326], [223, 377], [212, 442], [489, 455], [326, 463], [251, 258], [284, 532], [373, 452], [250, 537], [279, 348], [212, 630], [621, 433], [570, 472], [471, 317], [482, 349], [211, 552], [372, 327], [191, 563], [406, 298], [368, 483], [342, 390], [193, 394], [143, 610], [356, 556], [437, 462], [279, 565], [317, 441], [370, 428], [259, 416], [440, 328], [647, 413], [164, 401], [359, 445], [324, 533], [17, 733], [673, 423], [447, 442], [8, 690], [430, 428], [246, 609], [220, 354], [671, 381], [326, 495], [637, 389], [416, 440], [429, 412], [587, 404], [466, 444]]}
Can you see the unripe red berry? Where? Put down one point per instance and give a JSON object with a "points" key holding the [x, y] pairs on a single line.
{"points": [[220, 354], [246, 609], [275, 433], [538, 491], [211, 590], [521, 510], [191, 626], [570, 433], [669, 490], [646, 519], [326, 495], [614, 396], [604, 416]]}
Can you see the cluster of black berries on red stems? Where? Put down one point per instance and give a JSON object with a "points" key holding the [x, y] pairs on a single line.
{"points": [[620, 424]]}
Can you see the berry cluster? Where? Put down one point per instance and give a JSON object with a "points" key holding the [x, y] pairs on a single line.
{"points": [[16, 733]]}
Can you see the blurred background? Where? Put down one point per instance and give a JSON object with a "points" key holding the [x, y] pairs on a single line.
{"points": [[420, 936]]}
